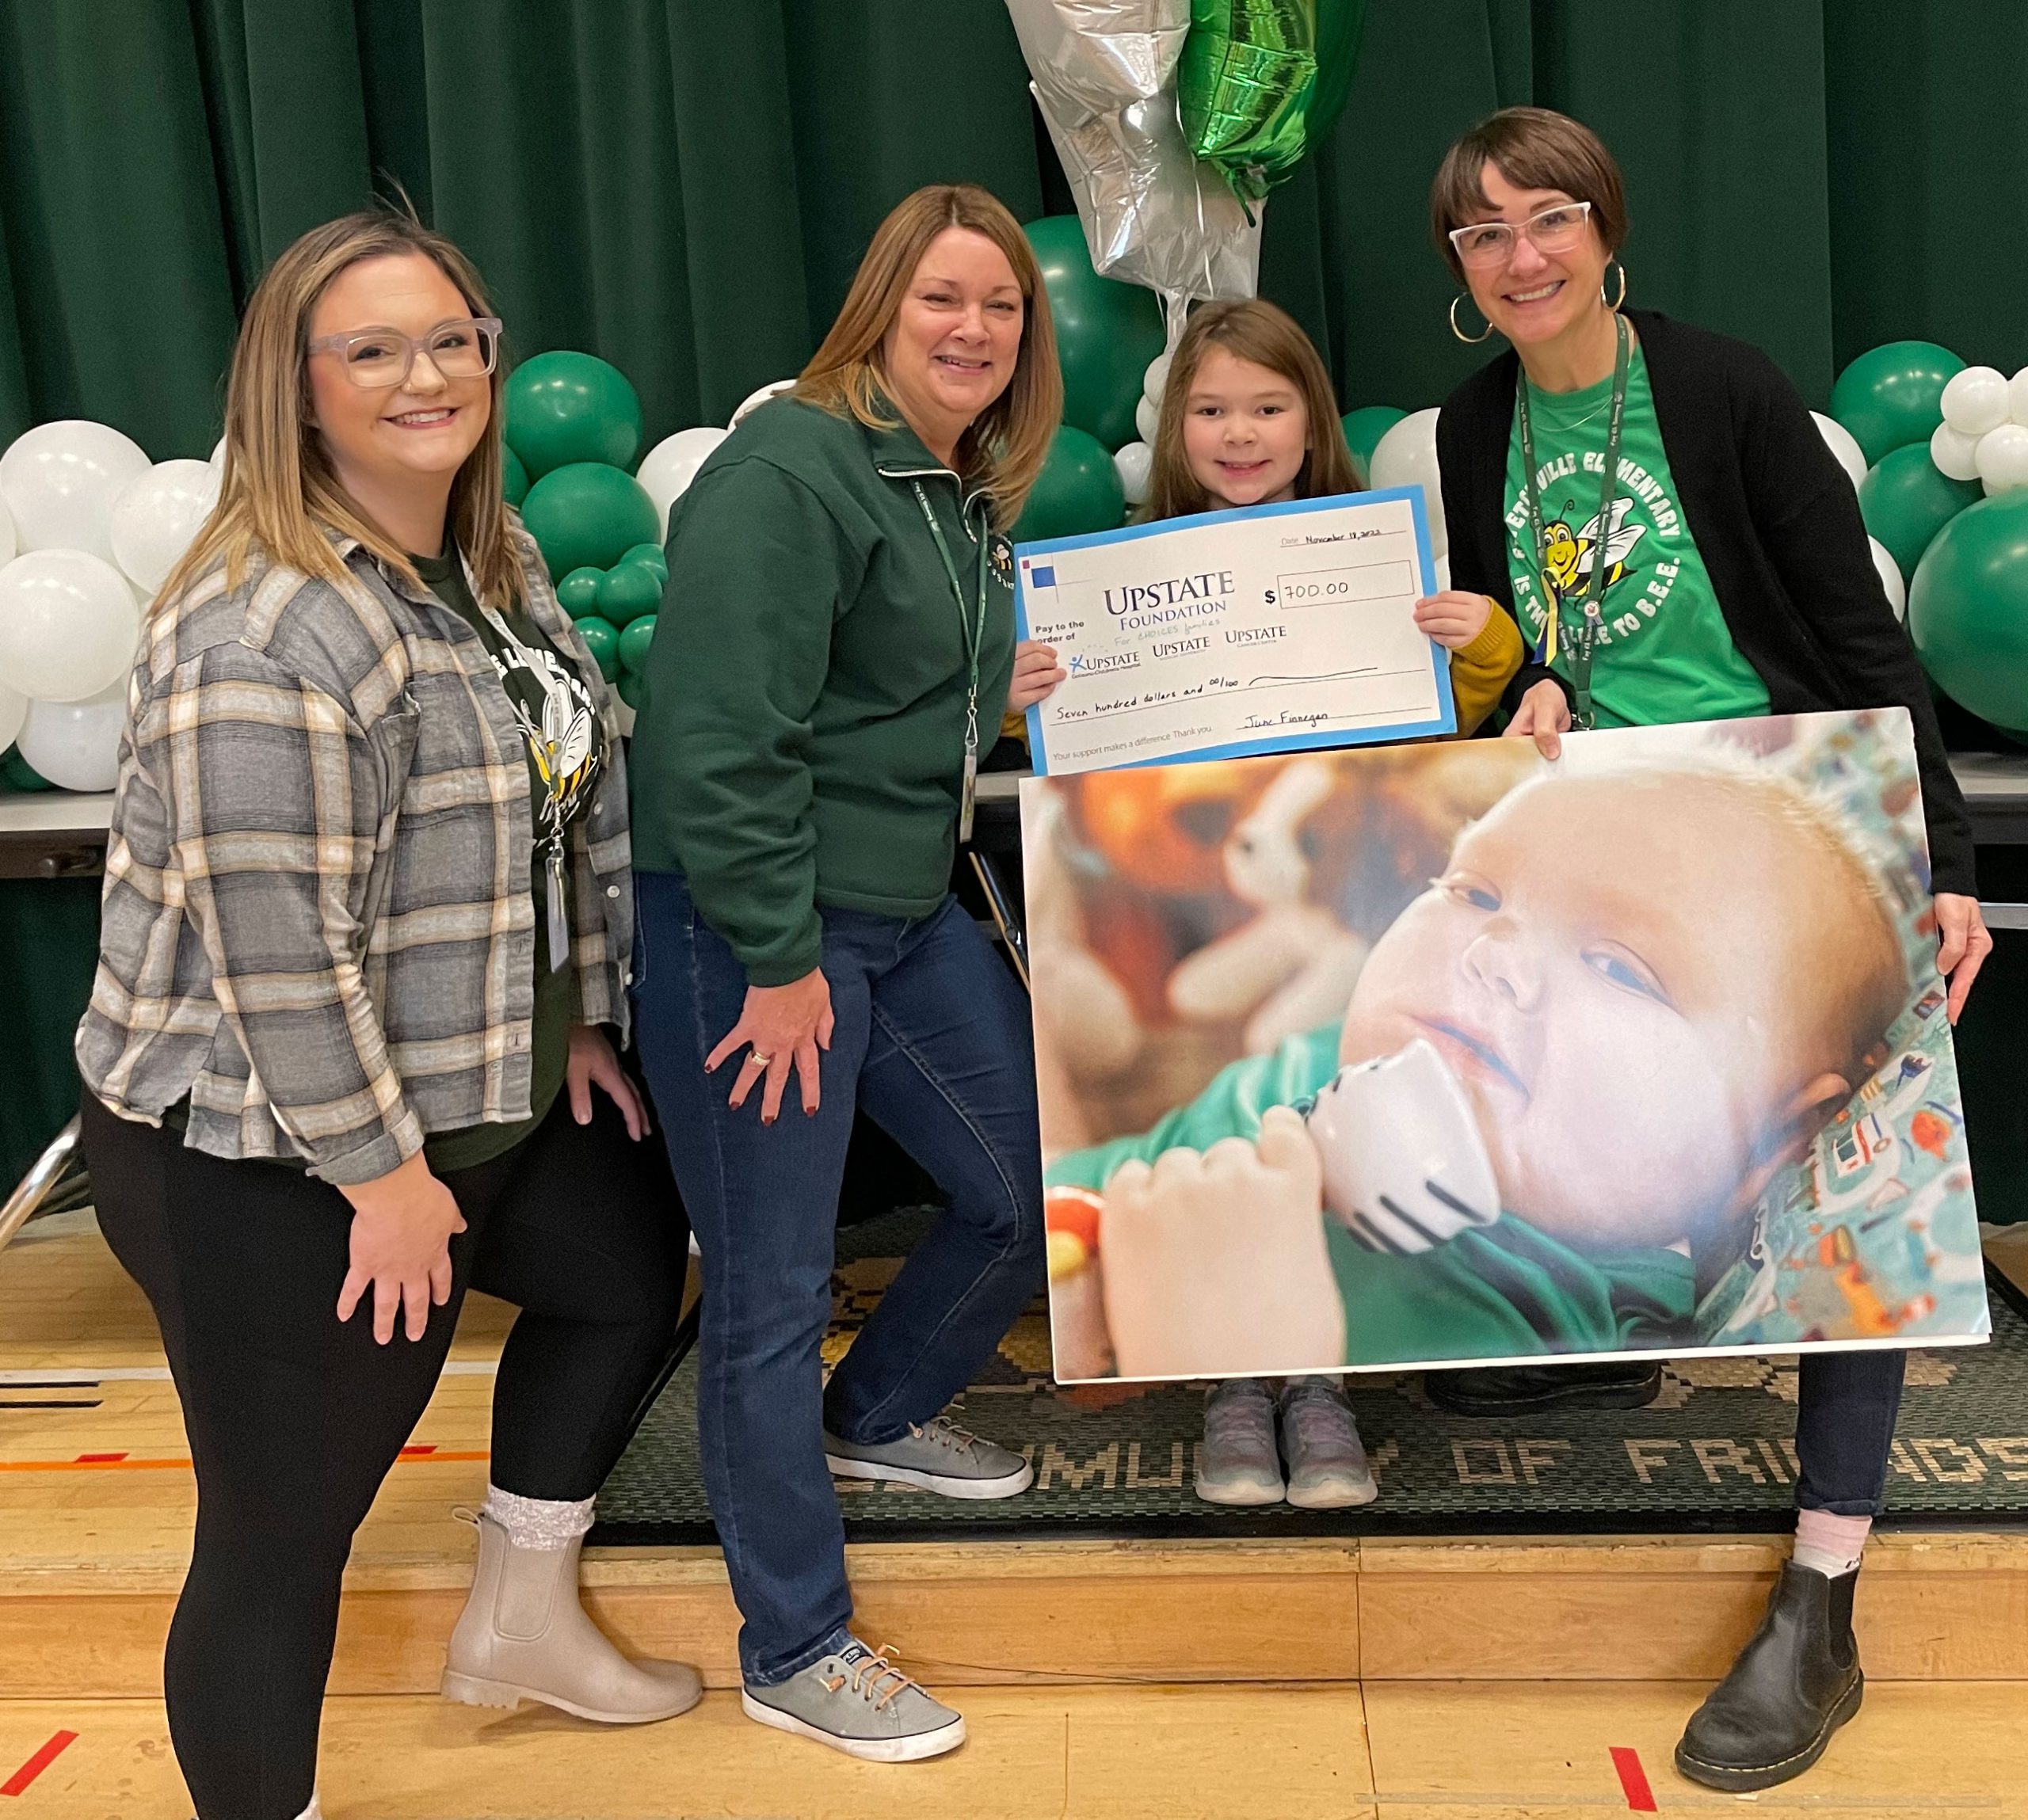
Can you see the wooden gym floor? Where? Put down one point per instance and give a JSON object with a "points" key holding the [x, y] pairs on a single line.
{"points": [[1395, 1683]]}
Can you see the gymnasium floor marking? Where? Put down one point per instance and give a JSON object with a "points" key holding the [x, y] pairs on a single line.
{"points": [[1632, 1779], [53, 1377], [18, 1782], [424, 1455]]}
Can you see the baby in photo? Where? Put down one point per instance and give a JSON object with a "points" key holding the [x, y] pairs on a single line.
{"points": [[1567, 1072]]}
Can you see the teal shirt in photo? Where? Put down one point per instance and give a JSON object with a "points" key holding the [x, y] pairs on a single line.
{"points": [[1663, 653]]}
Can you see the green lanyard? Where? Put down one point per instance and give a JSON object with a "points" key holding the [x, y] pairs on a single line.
{"points": [[974, 627], [1586, 633]]}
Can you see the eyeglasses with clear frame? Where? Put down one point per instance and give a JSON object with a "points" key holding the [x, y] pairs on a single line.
{"points": [[463, 348], [1555, 229]]}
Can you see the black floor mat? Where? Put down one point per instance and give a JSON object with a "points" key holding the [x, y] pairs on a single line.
{"points": [[1714, 1453]]}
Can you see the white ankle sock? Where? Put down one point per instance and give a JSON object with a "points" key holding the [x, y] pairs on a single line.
{"points": [[1830, 1545], [539, 1522]]}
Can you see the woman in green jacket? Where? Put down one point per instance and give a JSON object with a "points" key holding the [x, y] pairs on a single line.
{"points": [[839, 630]]}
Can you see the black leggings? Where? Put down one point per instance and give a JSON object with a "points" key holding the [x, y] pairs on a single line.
{"points": [[293, 1419]]}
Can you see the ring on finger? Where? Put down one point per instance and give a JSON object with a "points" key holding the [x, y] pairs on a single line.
{"points": [[757, 1060]]}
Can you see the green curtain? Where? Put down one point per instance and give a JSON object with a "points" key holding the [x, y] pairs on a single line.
{"points": [[685, 187]]}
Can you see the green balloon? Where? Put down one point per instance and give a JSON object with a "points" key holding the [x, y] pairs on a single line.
{"points": [[650, 554], [629, 590], [1364, 429], [1107, 333], [1891, 397], [633, 688], [602, 639], [1244, 86], [584, 515], [563, 407], [577, 593], [1967, 611], [1077, 491], [17, 773], [634, 643], [1905, 502], [513, 477]]}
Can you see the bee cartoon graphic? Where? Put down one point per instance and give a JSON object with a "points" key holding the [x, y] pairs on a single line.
{"points": [[1568, 558]]}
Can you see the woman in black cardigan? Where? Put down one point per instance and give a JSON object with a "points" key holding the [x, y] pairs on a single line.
{"points": [[1725, 572]]}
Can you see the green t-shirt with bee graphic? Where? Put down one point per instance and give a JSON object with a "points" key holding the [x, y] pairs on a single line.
{"points": [[1663, 652]]}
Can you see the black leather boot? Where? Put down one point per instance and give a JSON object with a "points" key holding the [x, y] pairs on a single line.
{"points": [[1526, 1390], [1791, 1687]]}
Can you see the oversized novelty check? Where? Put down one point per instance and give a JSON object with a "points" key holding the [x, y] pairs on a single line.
{"points": [[1265, 630]]}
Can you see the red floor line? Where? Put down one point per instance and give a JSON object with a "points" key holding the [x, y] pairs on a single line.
{"points": [[1633, 1779], [18, 1782], [90, 1463]]}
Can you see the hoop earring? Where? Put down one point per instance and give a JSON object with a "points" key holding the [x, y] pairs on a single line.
{"points": [[1470, 340], [1621, 298]]}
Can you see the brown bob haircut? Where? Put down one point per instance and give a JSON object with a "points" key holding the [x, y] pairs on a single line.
{"points": [[1536, 148], [1251, 330], [1006, 445], [279, 497]]}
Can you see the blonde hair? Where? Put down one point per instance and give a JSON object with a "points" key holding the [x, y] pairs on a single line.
{"points": [[1250, 330], [1003, 448], [279, 497]]}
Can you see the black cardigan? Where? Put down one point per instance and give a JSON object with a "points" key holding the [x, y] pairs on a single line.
{"points": [[1778, 525]]}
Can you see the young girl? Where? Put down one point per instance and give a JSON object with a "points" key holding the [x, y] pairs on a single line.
{"points": [[1247, 419]]}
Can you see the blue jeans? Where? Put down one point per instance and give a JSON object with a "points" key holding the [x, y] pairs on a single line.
{"points": [[1845, 1403], [933, 1039]]}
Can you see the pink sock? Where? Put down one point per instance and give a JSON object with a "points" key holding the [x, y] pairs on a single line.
{"points": [[1831, 1545]]}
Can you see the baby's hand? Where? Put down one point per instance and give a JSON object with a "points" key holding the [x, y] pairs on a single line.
{"points": [[1216, 1264], [1453, 618]]}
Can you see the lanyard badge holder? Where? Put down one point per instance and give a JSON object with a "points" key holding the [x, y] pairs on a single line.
{"points": [[973, 625], [1584, 635]]}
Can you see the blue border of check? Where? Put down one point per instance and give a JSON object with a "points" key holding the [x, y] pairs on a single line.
{"points": [[1440, 659]]}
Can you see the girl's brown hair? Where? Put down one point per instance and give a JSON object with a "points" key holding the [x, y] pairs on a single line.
{"points": [[1255, 331], [1003, 449], [1535, 148], [280, 497]]}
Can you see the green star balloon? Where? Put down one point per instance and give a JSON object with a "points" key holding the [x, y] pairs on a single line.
{"points": [[1243, 87], [584, 514], [1967, 611], [565, 407]]}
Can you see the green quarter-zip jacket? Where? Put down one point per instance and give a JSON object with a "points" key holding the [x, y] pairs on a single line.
{"points": [[801, 739]]}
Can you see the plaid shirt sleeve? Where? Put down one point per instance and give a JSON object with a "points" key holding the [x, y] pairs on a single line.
{"points": [[279, 802]]}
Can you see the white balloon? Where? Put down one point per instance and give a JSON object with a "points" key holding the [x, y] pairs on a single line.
{"points": [[69, 625], [673, 463], [1135, 464], [1955, 455], [2003, 458], [13, 711], [60, 481], [7, 543], [1157, 376], [755, 400], [156, 516], [1843, 444], [1406, 456], [1975, 400], [2016, 397], [218, 455], [76, 744], [1147, 418], [1890, 578]]}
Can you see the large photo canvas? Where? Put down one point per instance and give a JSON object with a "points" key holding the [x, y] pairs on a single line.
{"points": [[1445, 1054]]}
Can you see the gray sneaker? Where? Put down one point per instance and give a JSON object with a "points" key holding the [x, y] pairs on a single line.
{"points": [[1237, 1463], [1328, 1469], [857, 1701], [938, 1456]]}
